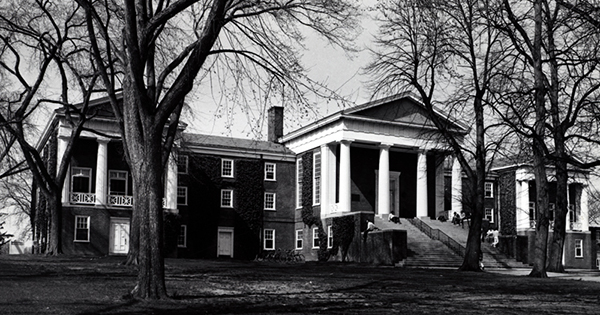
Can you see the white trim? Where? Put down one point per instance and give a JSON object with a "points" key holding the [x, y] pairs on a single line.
{"points": [[230, 198], [237, 153], [492, 215], [223, 168], [314, 177], [274, 208], [315, 232], [301, 239], [126, 179], [187, 163], [329, 236], [220, 230], [87, 222], [579, 246], [274, 171], [299, 174], [89, 178], [271, 239], [186, 195], [491, 190]]}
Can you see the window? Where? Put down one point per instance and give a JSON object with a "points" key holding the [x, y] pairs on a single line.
{"points": [[182, 195], [117, 183], [182, 164], [182, 238], [299, 183], [82, 229], [532, 215], [316, 238], [227, 168], [551, 208], [578, 248], [227, 198], [573, 215], [329, 237], [269, 201], [299, 238], [489, 214], [317, 178], [269, 239], [489, 190], [270, 171], [81, 180]]}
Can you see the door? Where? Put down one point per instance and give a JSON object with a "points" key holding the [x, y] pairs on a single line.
{"points": [[225, 242], [119, 236]]}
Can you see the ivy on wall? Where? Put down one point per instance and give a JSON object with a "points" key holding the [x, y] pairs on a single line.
{"points": [[508, 218], [343, 230], [250, 193]]}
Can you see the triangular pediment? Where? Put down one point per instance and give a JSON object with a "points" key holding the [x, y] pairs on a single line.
{"points": [[403, 110]]}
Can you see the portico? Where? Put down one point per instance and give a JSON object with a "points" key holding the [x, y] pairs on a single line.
{"points": [[381, 157]]}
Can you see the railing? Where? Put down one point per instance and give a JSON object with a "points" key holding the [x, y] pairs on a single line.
{"points": [[120, 201], [532, 224], [436, 234], [83, 198], [575, 226], [333, 208]]}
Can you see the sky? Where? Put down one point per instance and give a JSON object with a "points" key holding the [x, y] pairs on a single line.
{"points": [[338, 70]]}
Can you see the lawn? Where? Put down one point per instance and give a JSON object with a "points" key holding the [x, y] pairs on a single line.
{"points": [[99, 285]]}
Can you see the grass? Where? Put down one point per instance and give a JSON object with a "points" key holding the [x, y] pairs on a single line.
{"points": [[100, 285]]}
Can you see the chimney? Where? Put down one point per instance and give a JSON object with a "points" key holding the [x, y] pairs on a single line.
{"points": [[275, 123]]}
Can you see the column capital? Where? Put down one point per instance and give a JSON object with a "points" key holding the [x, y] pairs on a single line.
{"points": [[385, 145], [347, 141], [100, 139]]}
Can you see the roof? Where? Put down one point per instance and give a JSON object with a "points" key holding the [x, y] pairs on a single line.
{"points": [[194, 141], [400, 109]]}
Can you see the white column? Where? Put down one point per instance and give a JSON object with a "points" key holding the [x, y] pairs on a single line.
{"points": [[456, 189], [325, 192], [345, 179], [383, 181], [522, 201], [585, 224], [422, 184], [568, 221], [101, 171], [171, 191], [61, 147]]}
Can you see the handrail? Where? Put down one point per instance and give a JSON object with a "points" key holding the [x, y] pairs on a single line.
{"points": [[438, 235]]}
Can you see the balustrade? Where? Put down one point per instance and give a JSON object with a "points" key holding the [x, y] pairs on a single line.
{"points": [[120, 201], [83, 198]]}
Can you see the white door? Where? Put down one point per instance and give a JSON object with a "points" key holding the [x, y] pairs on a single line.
{"points": [[225, 243], [119, 236]]}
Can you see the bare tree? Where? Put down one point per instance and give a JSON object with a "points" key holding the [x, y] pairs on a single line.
{"points": [[39, 33], [163, 49], [446, 51]]}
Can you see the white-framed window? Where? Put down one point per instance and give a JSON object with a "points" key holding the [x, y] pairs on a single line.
{"points": [[269, 201], [182, 164], [182, 195], [329, 236], [270, 169], [489, 190], [227, 168], [82, 229], [226, 198], [315, 240], [598, 263], [489, 214], [299, 239], [299, 183], [573, 214], [269, 239], [117, 183], [182, 238], [81, 180], [578, 248], [317, 178]]}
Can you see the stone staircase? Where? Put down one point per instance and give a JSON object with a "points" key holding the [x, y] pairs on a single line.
{"points": [[492, 257], [425, 252]]}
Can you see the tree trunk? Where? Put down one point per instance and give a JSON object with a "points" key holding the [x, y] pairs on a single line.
{"points": [[54, 238], [134, 230], [555, 257]]}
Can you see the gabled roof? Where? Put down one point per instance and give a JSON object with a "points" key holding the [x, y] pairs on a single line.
{"points": [[400, 109]]}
